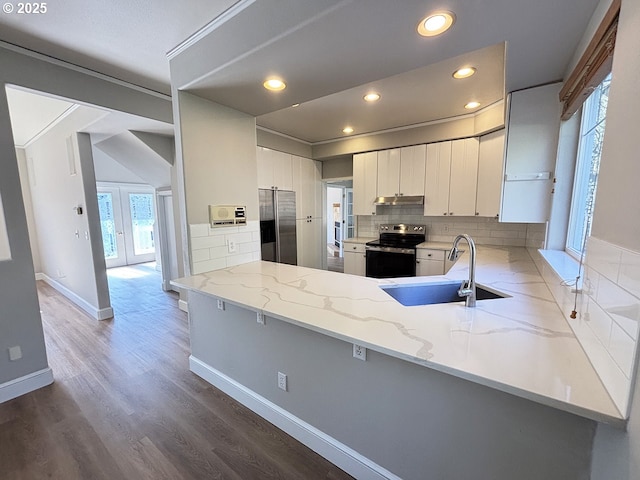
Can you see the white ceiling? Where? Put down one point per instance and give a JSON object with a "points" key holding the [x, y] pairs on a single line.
{"points": [[125, 39], [320, 48]]}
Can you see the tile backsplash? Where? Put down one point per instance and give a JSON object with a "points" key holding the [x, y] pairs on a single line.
{"points": [[608, 312], [484, 231], [210, 246]]}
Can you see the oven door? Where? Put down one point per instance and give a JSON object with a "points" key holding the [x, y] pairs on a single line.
{"points": [[390, 262]]}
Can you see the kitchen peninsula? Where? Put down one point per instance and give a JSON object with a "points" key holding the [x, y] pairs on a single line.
{"points": [[421, 396]]}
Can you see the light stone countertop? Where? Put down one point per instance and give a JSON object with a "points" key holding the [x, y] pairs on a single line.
{"points": [[520, 345], [359, 239]]}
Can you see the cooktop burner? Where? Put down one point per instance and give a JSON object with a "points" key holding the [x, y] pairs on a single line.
{"points": [[400, 235]]}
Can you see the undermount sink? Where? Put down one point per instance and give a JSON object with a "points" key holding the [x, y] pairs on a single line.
{"points": [[432, 293]]}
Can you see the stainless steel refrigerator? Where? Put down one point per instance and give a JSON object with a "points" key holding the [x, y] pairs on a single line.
{"points": [[278, 226]]}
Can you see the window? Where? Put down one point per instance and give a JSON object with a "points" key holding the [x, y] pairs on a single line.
{"points": [[587, 166]]}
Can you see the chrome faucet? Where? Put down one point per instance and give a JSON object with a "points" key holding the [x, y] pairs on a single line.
{"points": [[468, 287]]}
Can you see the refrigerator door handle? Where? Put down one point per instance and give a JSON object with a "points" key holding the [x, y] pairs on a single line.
{"points": [[277, 217]]}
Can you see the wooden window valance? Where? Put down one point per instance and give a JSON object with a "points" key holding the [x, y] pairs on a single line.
{"points": [[594, 65]]}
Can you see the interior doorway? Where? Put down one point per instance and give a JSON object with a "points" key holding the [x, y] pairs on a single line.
{"points": [[340, 221], [127, 220]]}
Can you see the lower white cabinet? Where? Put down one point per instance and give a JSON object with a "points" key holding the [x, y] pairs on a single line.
{"points": [[308, 239], [354, 259], [429, 262]]}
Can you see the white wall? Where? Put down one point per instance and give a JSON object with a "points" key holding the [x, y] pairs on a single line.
{"points": [[616, 225], [108, 170], [64, 240], [334, 195], [5, 248]]}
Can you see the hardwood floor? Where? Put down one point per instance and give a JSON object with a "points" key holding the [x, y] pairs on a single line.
{"points": [[125, 405]]}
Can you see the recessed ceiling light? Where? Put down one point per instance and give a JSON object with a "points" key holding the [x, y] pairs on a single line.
{"points": [[274, 84], [464, 72], [472, 105], [371, 97], [436, 23], [347, 130]]}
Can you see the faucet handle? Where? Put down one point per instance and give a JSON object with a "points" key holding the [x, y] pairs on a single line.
{"points": [[465, 290]]}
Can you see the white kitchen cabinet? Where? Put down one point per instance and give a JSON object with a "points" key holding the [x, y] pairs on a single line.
{"points": [[451, 176], [490, 166], [430, 262], [388, 184], [401, 171], [308, 239], [412, 166], [464, 177], [274, 169], [307, 183], [365, 175], [437, 176], [354, 259], [533, 126]]}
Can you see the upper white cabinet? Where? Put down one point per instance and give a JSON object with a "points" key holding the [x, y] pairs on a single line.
{"points": [[401, 171], [412, 166], [307, 183], [451, 178], [437, 175], [533, 126], [274, 169], [464, 177], [365, 175], [490, 166], [388, 183]]}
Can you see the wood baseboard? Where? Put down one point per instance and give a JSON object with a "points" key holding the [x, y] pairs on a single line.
{"points": [[328, 447]]}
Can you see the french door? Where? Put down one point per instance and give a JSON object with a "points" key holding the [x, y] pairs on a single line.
{"points": [[127, 218]]}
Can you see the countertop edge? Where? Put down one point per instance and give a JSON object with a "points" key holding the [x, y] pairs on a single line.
{"points": [[591, 414]]}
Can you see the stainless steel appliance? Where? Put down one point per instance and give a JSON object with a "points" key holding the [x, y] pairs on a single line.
{"points": [[393, 254], [278, 226]]}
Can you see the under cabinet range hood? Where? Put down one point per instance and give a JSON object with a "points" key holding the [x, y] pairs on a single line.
{"points": [[400, 200]]}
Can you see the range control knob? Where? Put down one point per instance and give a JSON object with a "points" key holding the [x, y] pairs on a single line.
{"points": [[415, 229]]}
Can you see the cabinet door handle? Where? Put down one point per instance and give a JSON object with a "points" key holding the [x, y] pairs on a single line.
{"points": [[450, 213], [444, 213]]}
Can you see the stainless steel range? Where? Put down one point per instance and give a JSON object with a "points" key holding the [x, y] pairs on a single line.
{"points": [[394, 253]]}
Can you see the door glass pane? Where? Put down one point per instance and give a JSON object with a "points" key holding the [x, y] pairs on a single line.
{"points": [[142, 220], [107, 223]]}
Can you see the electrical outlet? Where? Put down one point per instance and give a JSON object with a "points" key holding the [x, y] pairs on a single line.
{"points": [[445, 227], [220, 305], [282, 381], [359, 352], [231, 244], [260, 318], [15, 353]]}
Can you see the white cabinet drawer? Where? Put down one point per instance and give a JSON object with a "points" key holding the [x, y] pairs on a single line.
{"points": [[428, 254], [354, 247]]}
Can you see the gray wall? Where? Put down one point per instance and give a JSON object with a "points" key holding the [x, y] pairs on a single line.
{"points": [[282, 144], [338, 167], [413, 421], [217, 150], [20, 322]]}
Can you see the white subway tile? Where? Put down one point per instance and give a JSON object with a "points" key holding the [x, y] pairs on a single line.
{"points": [[199, 243], [604, 258], [255, 236], [219, 252], [239, 259], [630, 272], [215, 231], [248, 247], [199, 230], [598, 321], [253, 226], [244, 237], [200, 255], [208, 266], [622, 348], [616, 300]]}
